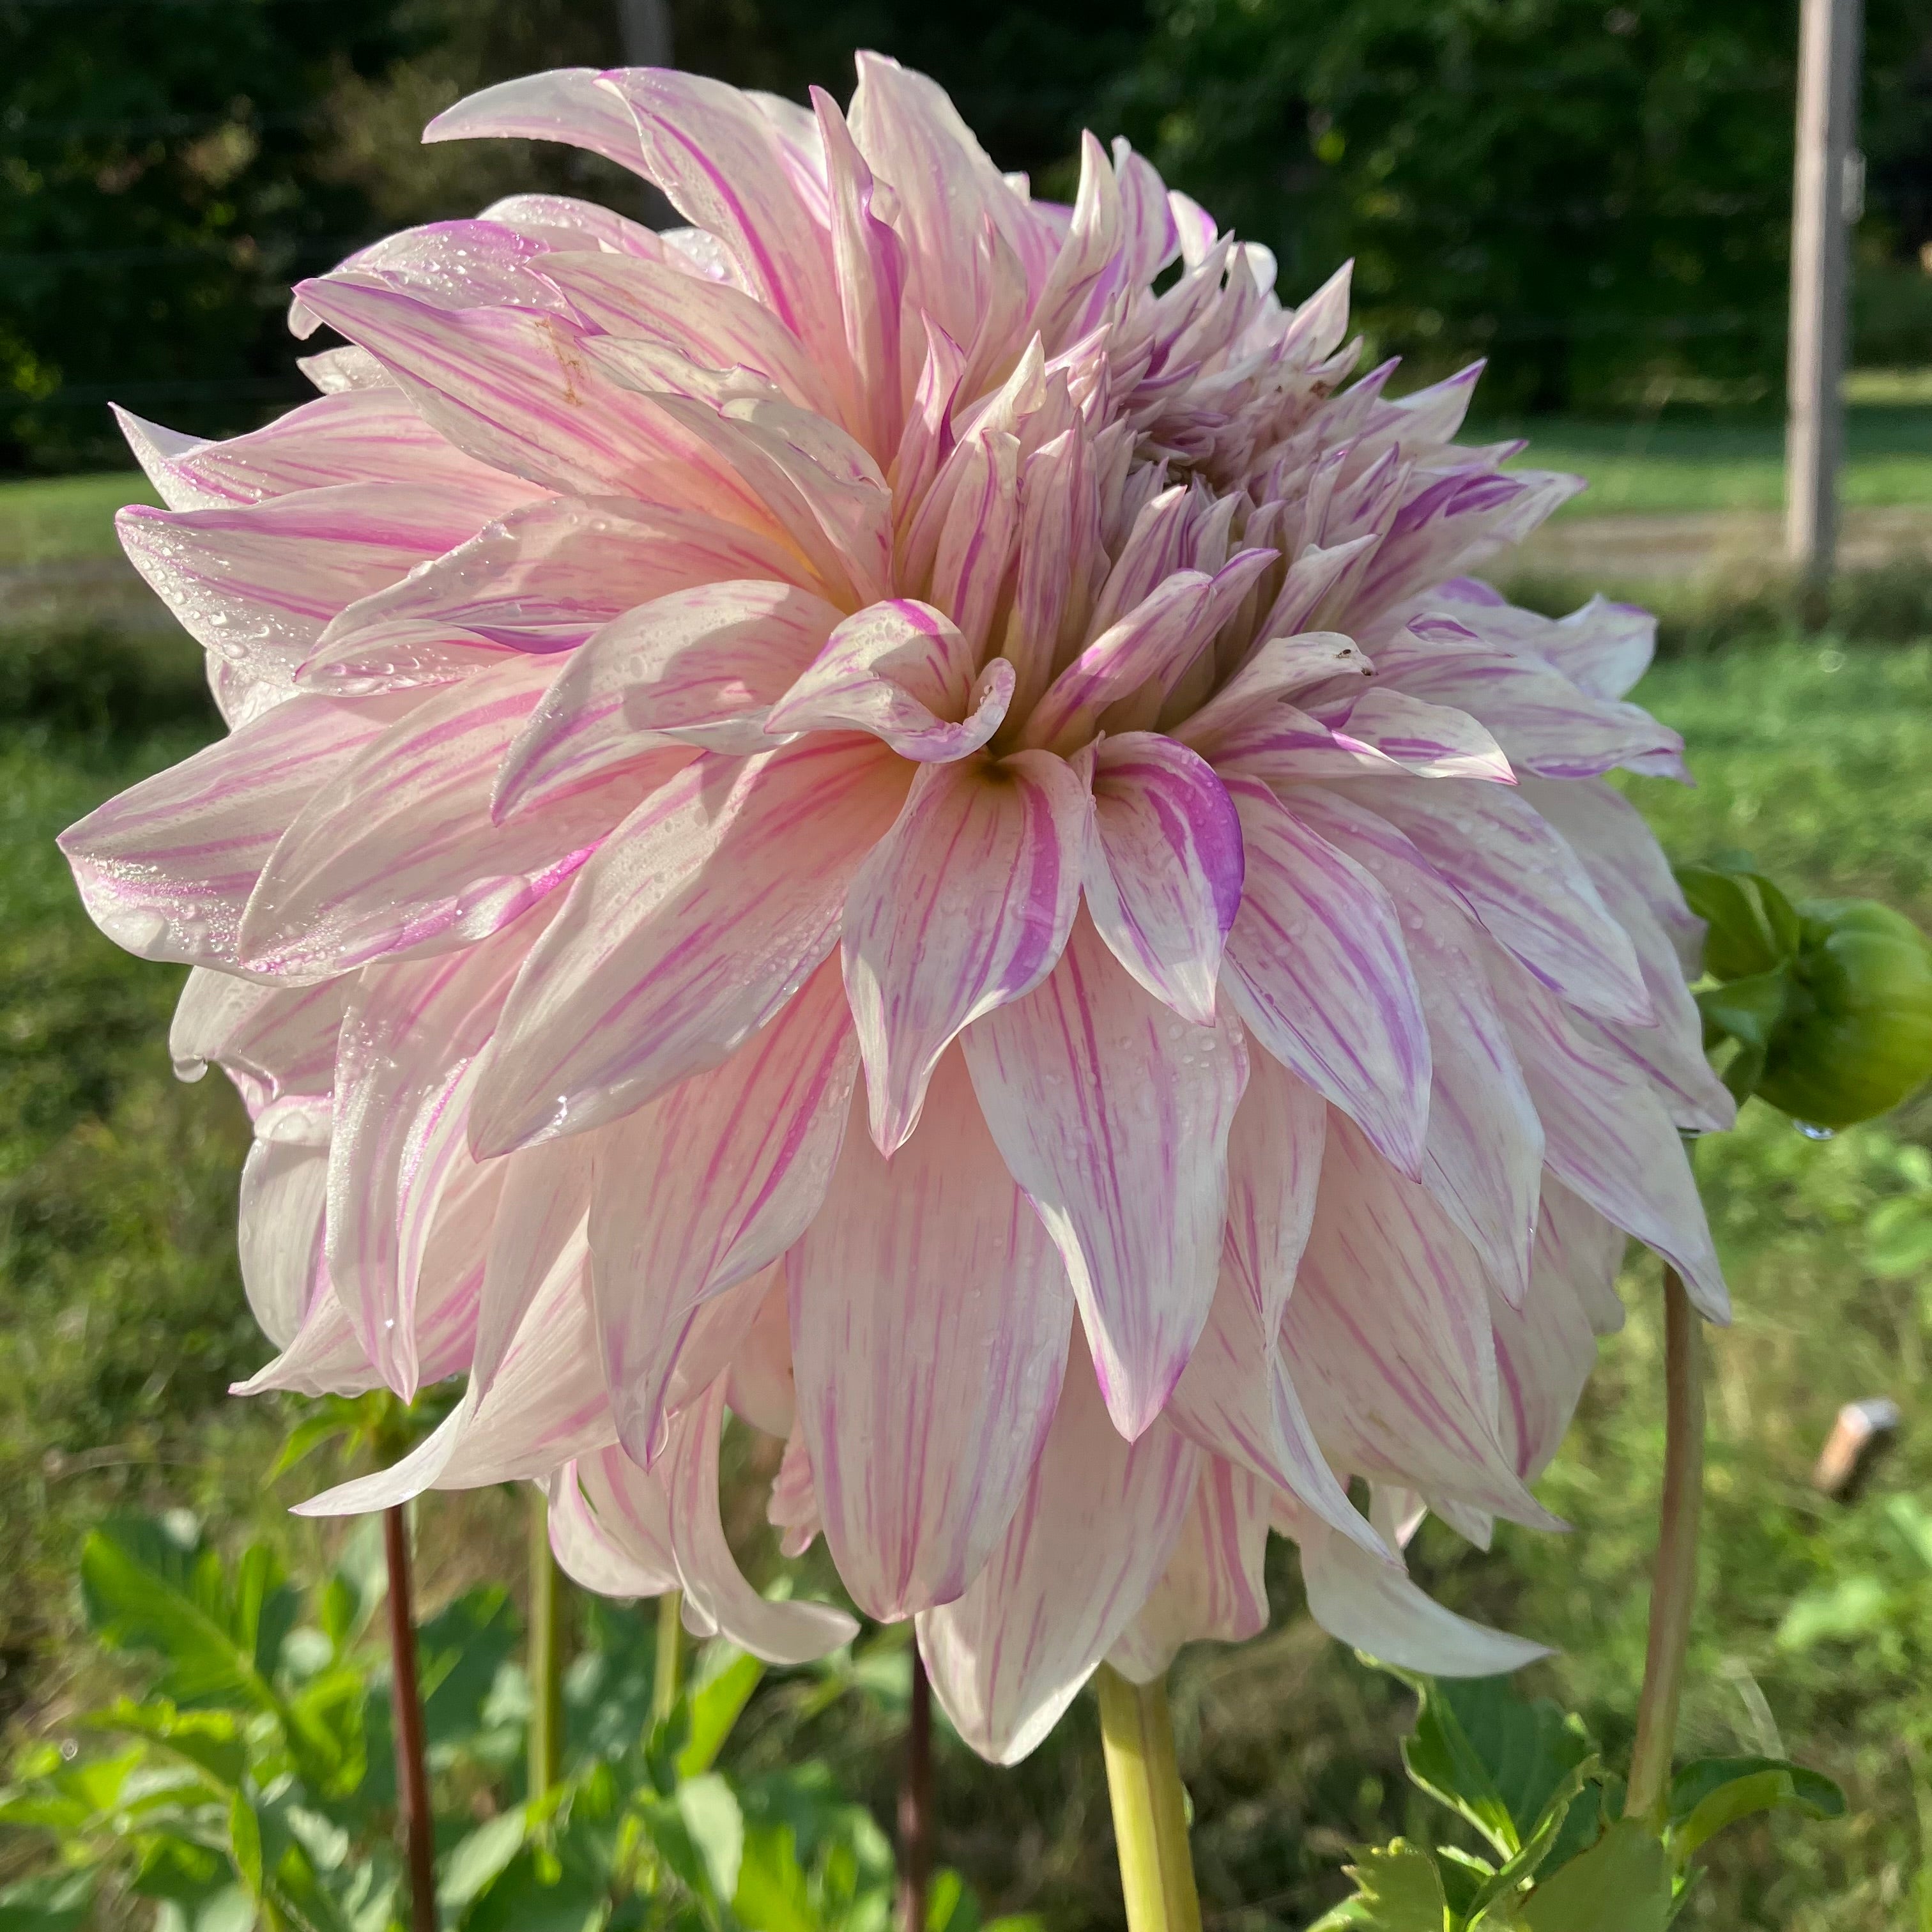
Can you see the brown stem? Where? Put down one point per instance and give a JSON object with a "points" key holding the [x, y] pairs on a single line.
{"points": [[413, 1818], [916, 1803], [1673, 1590]]}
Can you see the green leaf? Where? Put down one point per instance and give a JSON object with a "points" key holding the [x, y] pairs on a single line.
{"points": [[1837, 1612], [145, 1587], [211, 1741], [1480, 1749], [1745, 936], [716, 1704], [525, 1897], [1621, 1884], [1538, 1841], [717, 1827], [1714, 1792], [59, 1902], [475, 1862], [1749, 1010], [1397, 1889], [1898, 1236], [772, 1893]]}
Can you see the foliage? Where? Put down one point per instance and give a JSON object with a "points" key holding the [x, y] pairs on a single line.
{"points": [[252, 1781], [1557, 1854], [164, 182], [1600, 198]]}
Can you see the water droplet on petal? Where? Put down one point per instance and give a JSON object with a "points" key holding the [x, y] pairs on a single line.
{"points": [[1812, 1132]]}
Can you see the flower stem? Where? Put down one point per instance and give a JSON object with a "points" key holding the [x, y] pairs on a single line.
{"points": [[546, 1659], [1149, 1804], [1673, 1589], [915, 1802], [668, 1679], [413, 1817]]}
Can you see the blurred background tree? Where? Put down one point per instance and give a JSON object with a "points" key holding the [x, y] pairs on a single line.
{"points": [[1597, 197]]}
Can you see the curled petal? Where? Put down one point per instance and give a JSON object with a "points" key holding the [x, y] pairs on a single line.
{"points": [[901, 670]]}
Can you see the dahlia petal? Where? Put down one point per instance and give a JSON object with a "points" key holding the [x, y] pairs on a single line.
{"points": [[364, 436], [1611, 1140], [1054, 486], [714, 1341], [1113, 1114], [720, 161], [562, 222], [411, 1034], [1482, 1155], [1433, 741], [1389, 1340], [945, 190], [1602, 648], [1545, 1351], [1526, 884], [457, 264], [1317, 970], [1628, 865], [964, 904], [517, 390], [1163, 878], [166, 868], [545, 1408], [1545, 725], [793, 1507], [910, 1270], [715, 326], [274, 1042], [1278, 668], [1375, 1607], [901, 670], [693, 925], [568, 104], [759, 1387], [324, 1357], [1088, 268], [543, 578], [256, 582], [972, 560], [700, 666], [397, 851], [619, 1544], [715, 1587], [284, 1189], [539, 1228], [1213, 1587], [1149, 239], [1577, 1245], [706, 1186], [869, 265], [1090, 1538]]}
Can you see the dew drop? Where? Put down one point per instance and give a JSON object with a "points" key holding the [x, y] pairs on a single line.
{"points": [[1813, 1131]]}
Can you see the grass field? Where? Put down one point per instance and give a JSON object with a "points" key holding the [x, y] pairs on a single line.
{"points": [[120, 1323]]}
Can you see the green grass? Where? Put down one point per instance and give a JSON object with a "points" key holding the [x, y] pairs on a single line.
{"points": [[1695, 462], [121, 1323], [64, 519]]}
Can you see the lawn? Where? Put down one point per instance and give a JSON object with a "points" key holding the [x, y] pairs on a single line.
{"points": [[120, 1323]]}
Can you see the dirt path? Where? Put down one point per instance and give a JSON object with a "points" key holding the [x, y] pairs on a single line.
{"points": [[1640, 546]]}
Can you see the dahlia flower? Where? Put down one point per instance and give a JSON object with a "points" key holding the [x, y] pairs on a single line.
{"points": [[899, 813]]}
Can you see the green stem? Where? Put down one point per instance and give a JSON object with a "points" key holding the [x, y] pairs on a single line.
{"points": [[1149, 1804], [668, 1679], [546, 1662], [1673, 1589]]}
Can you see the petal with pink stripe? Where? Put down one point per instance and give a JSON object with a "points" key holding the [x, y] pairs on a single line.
{"points": [[695, 923], [1318, 971], [911, 1270], [1113, 1114], [1093, 1533], [964, 905]]}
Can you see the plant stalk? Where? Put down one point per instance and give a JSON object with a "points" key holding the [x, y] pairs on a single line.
{"points": [[414, 1820], [546, 1659], [1673, 1589], [1149, 1804], [668, 1679], [915, 1818]]}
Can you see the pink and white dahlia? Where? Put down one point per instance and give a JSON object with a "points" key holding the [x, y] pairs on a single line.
{"points": [[898, 812]]}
